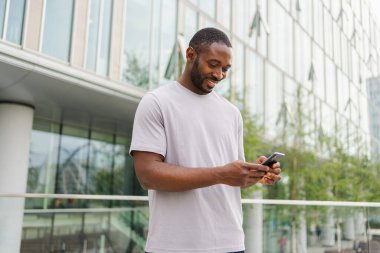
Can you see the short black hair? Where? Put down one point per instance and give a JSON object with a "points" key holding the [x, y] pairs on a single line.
{"points": [[206, 36]]}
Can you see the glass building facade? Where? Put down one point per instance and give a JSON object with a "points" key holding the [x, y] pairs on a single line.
{"points": [[315, 53]]}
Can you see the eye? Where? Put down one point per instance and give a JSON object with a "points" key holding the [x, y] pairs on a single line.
{"points": [[212, 65], [225, 69]]}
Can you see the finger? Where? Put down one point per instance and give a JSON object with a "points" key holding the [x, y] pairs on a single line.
{"points": [[257, 174], [266, 181], [275, 165], [276, 171], [260, 159], [257, 167]]}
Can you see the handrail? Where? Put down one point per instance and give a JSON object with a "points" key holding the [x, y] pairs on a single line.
{"points": [[82, 210], [75, 196], [145, 198]]}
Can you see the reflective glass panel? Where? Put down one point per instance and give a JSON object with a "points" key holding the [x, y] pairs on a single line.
{"points": [[73, 161], [208, 7], [137, 38], [164, 51], [105, 39], [191, 24], [68, 229], [15, 21], [319, 67], [98, 40], [318, 21], [93, 30], [302, 56], [273, 92], [281, 32], [100, 164], [43, 160], [237, 74], [56, 39], [2, 16], [255, 84], [330, 83], [225, 16], [305, 16], [328, 33]]}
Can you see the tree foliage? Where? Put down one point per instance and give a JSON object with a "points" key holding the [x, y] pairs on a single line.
{"points": [[321, 170]]}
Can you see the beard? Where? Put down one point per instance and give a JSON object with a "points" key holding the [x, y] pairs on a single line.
{"points": [[196, 77]]}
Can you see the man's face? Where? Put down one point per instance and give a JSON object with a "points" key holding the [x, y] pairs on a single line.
{"points": [[210, 67]]}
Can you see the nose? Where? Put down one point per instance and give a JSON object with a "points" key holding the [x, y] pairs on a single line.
{"points": [[218, 74]]}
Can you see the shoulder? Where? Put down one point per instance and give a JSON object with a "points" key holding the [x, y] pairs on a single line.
{"points": [[158, 95], [162, 91], [226, 103]]}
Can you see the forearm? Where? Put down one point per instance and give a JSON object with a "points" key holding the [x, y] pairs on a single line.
{"points": [[172, 178], [154, 173]]}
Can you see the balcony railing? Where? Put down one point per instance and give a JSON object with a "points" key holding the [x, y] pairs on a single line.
{"points": [[108, 223]]}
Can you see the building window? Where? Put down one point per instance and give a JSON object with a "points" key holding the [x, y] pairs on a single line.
{"points": [[164, 44], [255, 84], [237, 74], [136, 42], [72, 160], [12, 20], [273, 92], [281, 30], [56, 40], [225, 14], [99, 34]]}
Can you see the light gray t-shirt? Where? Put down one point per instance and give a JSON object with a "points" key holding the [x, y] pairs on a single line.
{"points": [[191, 130]]}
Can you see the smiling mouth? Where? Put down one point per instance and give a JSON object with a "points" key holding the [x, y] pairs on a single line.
{"points": [[211, 83]]}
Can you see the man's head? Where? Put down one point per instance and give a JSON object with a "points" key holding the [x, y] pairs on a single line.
{"points": [[207, 36], [208, 60]]}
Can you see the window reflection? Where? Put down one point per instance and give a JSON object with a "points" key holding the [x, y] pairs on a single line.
{"points": [[12, 16], [191, 24], [56, 39], [73, 161], [255, 85], [239, 25], [136, 42], [164, 43], [318, 21], [100, 163], [273, 92], [237, 74], [302, 56], [42, 162], [281, 32], [319, 80], [225, 17], [305, 15], [99, 36], [2, 16], [331, 83], [208, 7], [78, 161]]}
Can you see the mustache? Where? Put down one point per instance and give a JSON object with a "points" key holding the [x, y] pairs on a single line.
{"points": [[213, 79]]}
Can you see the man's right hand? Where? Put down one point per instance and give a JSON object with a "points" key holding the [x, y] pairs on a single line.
{"points": [[243, 174]]}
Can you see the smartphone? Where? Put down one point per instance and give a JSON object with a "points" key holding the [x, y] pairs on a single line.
{"points": [[273, 158]]}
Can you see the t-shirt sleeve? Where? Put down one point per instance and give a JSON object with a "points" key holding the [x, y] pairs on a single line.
{"points": [[148, 128]]}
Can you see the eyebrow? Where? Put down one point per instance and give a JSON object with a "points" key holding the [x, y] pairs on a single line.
{"points": [[215, 60]]}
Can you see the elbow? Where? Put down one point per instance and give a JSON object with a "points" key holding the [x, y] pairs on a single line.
{"points": [[145, 182]]}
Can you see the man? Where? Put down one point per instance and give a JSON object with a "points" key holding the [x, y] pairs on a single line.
{"points": [[187, 146]]}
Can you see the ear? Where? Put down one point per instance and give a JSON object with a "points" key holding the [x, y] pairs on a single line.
{"points": [[191, 55]]}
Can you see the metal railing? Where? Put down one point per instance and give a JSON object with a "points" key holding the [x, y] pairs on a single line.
{"points": [[102, 226]]}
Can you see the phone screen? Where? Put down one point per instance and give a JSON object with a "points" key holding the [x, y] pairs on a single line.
{"points": [[273, 158]]}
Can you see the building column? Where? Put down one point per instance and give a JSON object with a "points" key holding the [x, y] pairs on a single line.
{"points": [[253, 225], [15, 135]]}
